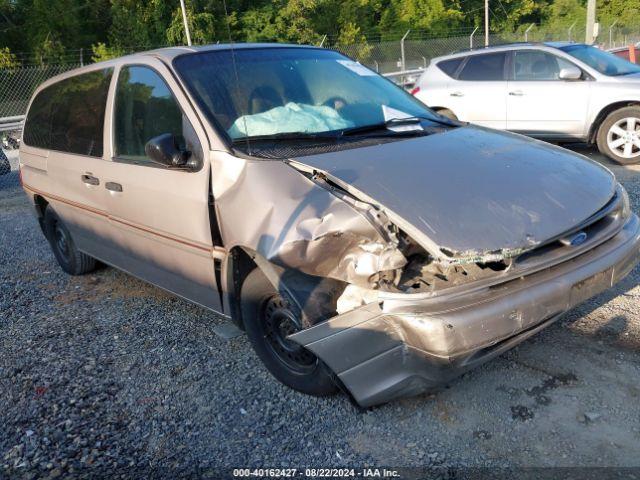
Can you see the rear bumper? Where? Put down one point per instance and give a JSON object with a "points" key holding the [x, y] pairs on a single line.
{"points": [[401, 348]]}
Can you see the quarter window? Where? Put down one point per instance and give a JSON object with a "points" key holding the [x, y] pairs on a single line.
{"points": [[487, 67], [532, 65], [450, 66], [68, 116], [144, 108]]}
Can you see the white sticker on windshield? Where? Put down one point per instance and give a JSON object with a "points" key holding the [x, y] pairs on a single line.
{"points": [[357, 68]]}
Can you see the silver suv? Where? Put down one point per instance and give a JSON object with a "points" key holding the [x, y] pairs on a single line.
{"points": [[553, 91]]}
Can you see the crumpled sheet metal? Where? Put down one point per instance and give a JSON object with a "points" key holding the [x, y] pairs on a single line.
{"points": [[272, 209], [380, 349]]}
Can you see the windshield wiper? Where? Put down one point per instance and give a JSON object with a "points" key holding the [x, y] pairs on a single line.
{"points": [[395, 122], [288, 136]]}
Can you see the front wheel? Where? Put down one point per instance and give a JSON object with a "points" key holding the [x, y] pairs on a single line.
{"points": [[269, 318], [445, 112], [619, 135]]}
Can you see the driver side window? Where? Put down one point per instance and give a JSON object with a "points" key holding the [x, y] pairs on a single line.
{"points": [[144, 108], [535, 65]]}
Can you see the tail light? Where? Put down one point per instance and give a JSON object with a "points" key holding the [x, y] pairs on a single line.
{"points": [[414, 90]]}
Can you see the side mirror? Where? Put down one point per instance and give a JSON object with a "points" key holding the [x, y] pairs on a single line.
{"points": [[165, 150], [570, 73]]}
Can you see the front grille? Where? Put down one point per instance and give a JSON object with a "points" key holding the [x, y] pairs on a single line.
{"points": [[599, 227]]}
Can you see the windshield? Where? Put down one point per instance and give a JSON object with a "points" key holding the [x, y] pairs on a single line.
{"points": [[604, 62], [288, 90]]}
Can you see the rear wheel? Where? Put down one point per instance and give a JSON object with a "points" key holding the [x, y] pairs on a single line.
{"points": [[445, 112], [619, 135], [72, 260], [269, 318]]}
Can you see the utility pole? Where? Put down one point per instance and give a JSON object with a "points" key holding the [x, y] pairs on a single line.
{"points": [[186, 24], [591, 20], [486, 23]]}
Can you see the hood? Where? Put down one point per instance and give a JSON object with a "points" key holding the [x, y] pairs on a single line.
{"points": [[472, 191]]}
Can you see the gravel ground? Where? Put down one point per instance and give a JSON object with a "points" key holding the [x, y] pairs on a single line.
{"points": [[104, 371]]}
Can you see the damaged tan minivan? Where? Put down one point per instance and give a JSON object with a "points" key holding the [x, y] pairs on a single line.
{"points": [[361, 240]]}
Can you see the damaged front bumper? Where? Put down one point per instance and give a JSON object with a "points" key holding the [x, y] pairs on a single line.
{"points": [[407, 344]]}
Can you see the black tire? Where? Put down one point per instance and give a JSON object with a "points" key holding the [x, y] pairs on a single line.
{"points": [[5, 166], [268, 317], [605, 134], [445, 112], [72, 260]]}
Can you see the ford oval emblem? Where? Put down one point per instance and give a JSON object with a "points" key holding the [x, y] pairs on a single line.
{"points": [[578, 239]]}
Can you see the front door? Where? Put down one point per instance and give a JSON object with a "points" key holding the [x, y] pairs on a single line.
{"points": [[161, 214], [539, 103]]}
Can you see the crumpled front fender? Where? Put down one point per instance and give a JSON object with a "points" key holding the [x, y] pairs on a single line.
{"points": [[291, 221]]}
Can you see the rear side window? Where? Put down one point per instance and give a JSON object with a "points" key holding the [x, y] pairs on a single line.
{"points": [[487, 67], [68, 116], [450, 66]]}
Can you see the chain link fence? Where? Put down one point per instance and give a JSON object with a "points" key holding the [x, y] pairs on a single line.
{"points": [[16, 87], [411, 54]]}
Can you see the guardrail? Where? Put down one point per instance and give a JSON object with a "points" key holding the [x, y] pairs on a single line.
{"points": [[405, 78], [8, 124]]}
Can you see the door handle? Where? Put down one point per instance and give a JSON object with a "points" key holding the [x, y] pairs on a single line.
{"points": [[90, 180], [113, 186], [516, 93], [457, 94]]}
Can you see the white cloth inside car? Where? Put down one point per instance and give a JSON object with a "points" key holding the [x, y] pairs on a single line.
{"points": [[293, 117]]}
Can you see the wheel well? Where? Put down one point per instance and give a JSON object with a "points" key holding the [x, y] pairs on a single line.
{"points": [[595, 126], [41, 205], [315, 297], [241, 265]]}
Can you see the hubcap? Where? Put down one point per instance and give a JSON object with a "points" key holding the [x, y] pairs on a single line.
{"points": [[623, 137], [279, 323]]}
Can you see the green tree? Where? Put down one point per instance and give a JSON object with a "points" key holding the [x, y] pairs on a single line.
{"points": [[350, 34], [54, 30], [294, 22], [137, 24], [51, 50], [101, 52], [431, 15], [259, 25], [201, 27], [626, 12], [8, 59], [561, 14]]}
